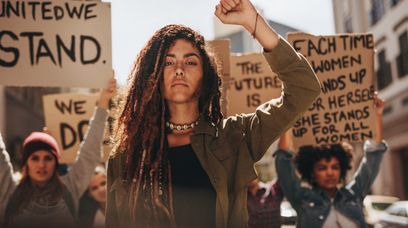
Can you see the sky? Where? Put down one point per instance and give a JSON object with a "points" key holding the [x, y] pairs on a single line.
{"points": [[134, 21]]}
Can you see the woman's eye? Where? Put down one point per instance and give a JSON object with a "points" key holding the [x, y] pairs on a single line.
{"points": [[34, 158], [48, 158], [191, 63], [168, 63]]}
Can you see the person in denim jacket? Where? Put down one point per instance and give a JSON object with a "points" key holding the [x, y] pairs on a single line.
{"points": [[324, 168]]}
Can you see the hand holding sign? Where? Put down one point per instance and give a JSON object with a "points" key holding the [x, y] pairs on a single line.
{"points": [[378, 105], [107, 93], [379, 108], [285, 141]]}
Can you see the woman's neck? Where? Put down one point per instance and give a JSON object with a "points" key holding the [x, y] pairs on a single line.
{"points": [[183, 113], [102, 206], [39, 185], [331, 192]]}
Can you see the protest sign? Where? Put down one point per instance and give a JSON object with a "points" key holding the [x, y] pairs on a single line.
{"points": [[344, 111], [67, 117], [221, 51], [252, 83], [55, 43]]}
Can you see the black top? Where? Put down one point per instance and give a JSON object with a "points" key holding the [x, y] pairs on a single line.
{"points": [[193, 195]]}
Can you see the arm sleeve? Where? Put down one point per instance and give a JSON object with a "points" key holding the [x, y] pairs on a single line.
{"points": [[368, 168], [300, 88], [289, 182], [7, 183], [89, 156]]}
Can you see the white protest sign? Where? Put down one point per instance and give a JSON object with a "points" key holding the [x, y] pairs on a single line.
{"points": [[55, 43]]}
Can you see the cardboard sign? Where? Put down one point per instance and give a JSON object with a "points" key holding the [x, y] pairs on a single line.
{"points": [[344, 111], [221, 51], [252, 83], [67, 117], [55, 43]]}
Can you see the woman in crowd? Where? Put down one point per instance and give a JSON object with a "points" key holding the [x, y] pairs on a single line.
{"points": [[178, 162], [42, 198], [92, 204], [330, 203]]}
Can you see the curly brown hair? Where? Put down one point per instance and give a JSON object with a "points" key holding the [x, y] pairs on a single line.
{"points": [[141, 133], [308, 156]]}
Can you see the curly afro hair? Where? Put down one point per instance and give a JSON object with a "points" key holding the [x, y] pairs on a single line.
{"points": [[310, 155]]}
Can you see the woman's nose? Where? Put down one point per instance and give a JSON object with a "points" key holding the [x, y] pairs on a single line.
{"points": [[329, 172], [41, 163], [179, 70]]}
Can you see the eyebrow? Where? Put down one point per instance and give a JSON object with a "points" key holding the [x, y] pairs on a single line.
{"points": [[185, 55]]}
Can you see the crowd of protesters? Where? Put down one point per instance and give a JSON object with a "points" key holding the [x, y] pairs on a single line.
{"points": [[42, 197], [178, 162]]}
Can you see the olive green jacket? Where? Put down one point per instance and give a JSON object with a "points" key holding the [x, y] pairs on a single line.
{"points": [[227, 151]]}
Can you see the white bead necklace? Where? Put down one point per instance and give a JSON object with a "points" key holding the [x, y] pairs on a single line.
{"points": [[181, 127]]}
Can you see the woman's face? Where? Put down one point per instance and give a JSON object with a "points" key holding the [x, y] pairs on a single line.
{"points": [[183, 72], [327, 173], [97, 188], [41, 167]]}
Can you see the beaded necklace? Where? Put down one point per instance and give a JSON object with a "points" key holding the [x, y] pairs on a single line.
{"points": [[181, 127]]}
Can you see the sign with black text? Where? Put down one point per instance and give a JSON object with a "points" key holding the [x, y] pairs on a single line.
{"points": [[55, 43], [252, 83], [67, 118], [344, 110]]}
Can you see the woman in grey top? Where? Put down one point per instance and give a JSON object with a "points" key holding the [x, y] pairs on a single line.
{"points": [[42, 198], [326, 204]]}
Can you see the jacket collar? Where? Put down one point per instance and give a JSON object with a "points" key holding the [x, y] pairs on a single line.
{"points": [[341, 193], [205, 126]]}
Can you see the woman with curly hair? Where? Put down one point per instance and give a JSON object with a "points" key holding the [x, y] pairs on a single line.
{"points": [[178, 162], [329, 202]]}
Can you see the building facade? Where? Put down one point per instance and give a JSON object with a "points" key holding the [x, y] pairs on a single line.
{"points": [[388, 21]]}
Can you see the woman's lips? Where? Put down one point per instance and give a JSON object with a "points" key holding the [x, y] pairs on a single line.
{"points": [[179, 84], [42, 173]]}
